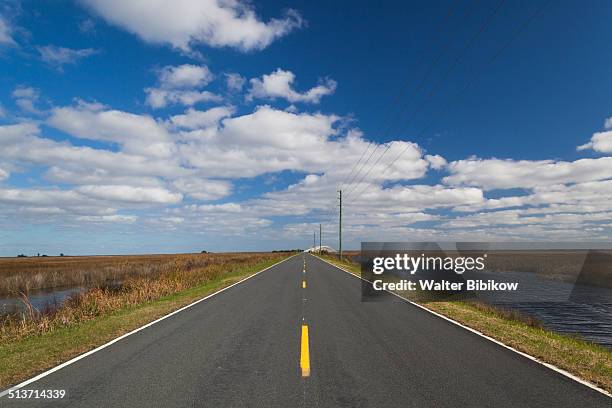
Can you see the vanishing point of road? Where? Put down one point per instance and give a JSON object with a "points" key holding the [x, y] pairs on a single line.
{"points": [[298, 335]]}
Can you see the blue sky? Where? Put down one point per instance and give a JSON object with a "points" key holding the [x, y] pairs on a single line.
{"points": [[230, 126]]}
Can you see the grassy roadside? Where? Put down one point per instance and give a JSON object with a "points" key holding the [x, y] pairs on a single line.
{"points": [[24, 357], [585, 360]]}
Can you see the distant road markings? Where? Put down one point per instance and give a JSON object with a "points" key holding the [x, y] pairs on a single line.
{"points": [[304, 349], [305, 353]]}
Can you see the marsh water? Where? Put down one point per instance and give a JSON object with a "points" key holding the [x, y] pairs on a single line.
{"points": [[39, 299], [564, 307]]}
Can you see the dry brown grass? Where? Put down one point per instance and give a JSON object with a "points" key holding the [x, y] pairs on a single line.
{"points": [[144, 278], [507, 314], [35, 273]]}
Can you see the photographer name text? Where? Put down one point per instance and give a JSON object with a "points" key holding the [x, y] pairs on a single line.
{"points": [[440, 286]]}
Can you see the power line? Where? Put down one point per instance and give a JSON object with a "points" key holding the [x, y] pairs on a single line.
{"points": [[364, 164], [388, 146], [352, 176], [356, 164], [402, 91], [468, 46], [435, 62], [340, 224], [460, 56], [473, 80]]}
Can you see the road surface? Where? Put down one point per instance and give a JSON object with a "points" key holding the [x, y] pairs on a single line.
{"points": [[245, 348]]}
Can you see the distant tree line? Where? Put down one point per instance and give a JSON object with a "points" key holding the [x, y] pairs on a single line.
{"points": [[43, 255]]}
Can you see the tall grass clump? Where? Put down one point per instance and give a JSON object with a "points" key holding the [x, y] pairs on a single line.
{"points": [[45, 273]]}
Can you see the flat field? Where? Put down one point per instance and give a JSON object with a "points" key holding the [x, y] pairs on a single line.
{"points": [[45, 273]]}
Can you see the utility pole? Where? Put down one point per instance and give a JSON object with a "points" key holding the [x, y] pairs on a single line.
{"points": [[320, 238], [340, 224], [314, 240]]}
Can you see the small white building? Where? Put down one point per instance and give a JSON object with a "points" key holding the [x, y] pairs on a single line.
{"points": [[323, 248]]}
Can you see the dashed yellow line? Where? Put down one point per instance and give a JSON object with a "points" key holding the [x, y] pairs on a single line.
{"points": [[303, 284], [305, 353]]}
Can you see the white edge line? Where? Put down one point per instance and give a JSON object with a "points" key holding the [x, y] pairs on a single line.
{"points": [[530, 357], [79, 357]]}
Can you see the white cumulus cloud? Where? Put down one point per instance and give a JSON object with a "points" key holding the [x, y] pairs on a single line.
{"points": [[195, 119], [202, 189], [186, 23], [436, 162], [504, 174], [139, 134], [185, 76], [279, 84], [22, 143], [131, 194], [159, 98], [26, 98], [181, 84], [234, 81], [600, 142]]}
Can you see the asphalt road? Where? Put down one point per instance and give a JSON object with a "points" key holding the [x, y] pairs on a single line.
{"points": [[243, 348]]}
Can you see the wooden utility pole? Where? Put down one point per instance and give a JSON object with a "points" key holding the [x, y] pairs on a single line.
{"points": [[340, 224]]}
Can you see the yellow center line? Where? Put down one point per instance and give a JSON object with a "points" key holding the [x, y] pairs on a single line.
{"points": [[305, 353], [303, 284]]}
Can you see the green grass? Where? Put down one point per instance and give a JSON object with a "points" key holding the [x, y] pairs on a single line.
{"points": [[586, 360], [25, 357]]}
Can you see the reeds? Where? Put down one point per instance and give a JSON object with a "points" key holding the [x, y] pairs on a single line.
{"points": [[28, 274]]}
